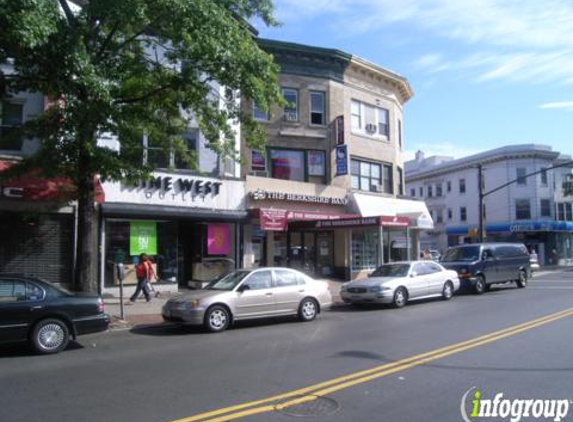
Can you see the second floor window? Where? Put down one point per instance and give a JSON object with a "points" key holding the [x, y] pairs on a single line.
{"points": [[366, 176], [11, 117], [298, 165], [522, 209], [413, 193], [521, 180], [291, 109], [161, 157], [545, 207], [462, 185], [400, 181], [448, 186], [287, 164], [463, 214], [317, 108], [544, 177], [450, 214]]}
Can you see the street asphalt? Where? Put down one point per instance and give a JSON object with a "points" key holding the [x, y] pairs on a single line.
{"points": [[162, 372]]}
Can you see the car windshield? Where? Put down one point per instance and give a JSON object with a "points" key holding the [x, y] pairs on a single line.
{"points": [[467, 253], [392, 270], [228, 282]]}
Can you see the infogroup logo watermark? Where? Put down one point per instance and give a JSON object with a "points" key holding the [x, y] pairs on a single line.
{"points": [[475, 407]]}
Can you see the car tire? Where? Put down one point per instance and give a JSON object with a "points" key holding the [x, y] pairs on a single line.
{"points": [[522, 280], [480, 285], [217, 319], [50, 336], [448, 290], [307, 310], [400, 297]]}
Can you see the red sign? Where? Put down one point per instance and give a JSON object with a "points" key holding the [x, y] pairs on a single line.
{"points": [[273, 220]]}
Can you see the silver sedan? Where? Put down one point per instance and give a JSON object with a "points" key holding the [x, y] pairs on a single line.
{"points": [[248, 294], [398, 282]]}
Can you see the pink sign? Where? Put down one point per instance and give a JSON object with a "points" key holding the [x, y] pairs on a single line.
{"points": [[217, 239]]}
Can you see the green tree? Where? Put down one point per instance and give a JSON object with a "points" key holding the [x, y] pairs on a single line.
{"points": [[128, 68]]}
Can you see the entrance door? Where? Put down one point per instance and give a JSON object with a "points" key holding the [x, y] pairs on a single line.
{"points": [[325, 254]]}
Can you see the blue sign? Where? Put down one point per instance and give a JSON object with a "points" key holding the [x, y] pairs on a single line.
{"points": [[341, 160], [518, 227]]}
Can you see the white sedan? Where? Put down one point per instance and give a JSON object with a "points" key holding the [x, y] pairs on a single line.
{"points": [[398, 282]]}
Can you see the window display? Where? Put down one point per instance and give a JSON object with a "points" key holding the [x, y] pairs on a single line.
{"points": [[365, 254]]}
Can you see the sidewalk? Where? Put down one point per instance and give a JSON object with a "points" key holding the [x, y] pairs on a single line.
{"points": [[146, 313]]}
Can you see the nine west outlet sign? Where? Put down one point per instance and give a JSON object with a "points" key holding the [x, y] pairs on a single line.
{"points": [[177, 190], [263, 194]]}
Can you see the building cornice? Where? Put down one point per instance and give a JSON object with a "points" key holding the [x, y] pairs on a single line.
{"points": [[496, 155]]}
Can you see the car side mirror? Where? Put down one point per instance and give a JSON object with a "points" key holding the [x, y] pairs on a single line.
{"points": [[244, 287]]}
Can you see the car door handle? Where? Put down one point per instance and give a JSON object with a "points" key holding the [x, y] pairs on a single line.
{"points": [[302, 291], [36, 308], [268, 294]]}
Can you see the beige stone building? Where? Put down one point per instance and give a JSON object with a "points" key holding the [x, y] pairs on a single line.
{"points": [[324, 196]]}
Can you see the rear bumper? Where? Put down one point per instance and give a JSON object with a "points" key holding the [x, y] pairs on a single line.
{"points": [[92, 324]]}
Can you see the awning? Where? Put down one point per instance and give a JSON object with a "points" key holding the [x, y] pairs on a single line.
{"points": [[373, 206], [33, 187], [273, 219], [128, 210]]}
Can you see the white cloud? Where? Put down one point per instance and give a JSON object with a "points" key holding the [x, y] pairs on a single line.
{"points": [[520, 40], [565, 105]]}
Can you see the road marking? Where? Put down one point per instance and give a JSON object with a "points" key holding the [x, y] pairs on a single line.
{"points": [[302, 395]]}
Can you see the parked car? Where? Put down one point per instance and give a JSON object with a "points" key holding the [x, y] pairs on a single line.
{"points": [[399, 282], [534, 261], [248, 294], [480, 265], [46, 315]]}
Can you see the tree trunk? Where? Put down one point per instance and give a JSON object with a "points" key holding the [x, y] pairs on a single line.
{"points": [[85, 275]]}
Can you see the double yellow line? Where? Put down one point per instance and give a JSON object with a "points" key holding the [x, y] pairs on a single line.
{"points": [[312, 392]]}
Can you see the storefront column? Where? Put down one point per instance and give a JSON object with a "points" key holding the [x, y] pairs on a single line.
{"points": [[381, 245]]}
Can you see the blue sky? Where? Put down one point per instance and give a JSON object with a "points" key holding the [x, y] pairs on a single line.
{"points": [[485, 73]]}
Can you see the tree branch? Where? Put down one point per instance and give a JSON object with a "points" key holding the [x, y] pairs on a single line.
{"points": [[68, 12]]}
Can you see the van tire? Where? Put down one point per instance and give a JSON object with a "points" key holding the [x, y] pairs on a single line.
{"points": [[522, 280], [480, 285]]}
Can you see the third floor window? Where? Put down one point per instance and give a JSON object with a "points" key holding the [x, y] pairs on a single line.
{"points": [[291, 109], [317, 108]]}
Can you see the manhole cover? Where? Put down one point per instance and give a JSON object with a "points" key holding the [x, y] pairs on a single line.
{"points": [[312, 406]]}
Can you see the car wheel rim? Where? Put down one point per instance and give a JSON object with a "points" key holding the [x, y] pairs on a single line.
{"points": [[218, 319], [51, 336], [400, 298], [448, 291], [308, 309]]}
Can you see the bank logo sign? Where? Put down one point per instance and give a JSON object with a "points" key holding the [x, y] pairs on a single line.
{"points": [[476, 407]]}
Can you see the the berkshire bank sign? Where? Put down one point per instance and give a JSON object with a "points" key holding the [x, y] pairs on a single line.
{"points": [[179, 190], [263, 194]]}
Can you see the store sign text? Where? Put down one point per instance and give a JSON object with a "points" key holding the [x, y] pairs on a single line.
{"points": [[262, 194], [177, 187]]}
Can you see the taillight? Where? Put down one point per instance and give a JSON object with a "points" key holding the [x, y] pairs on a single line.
{"points": [[101, 305]]}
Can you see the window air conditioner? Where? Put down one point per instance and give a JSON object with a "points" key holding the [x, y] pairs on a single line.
{"points": [[291, 117], [370, 127]]}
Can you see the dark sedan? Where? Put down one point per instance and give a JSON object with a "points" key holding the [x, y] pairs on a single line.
{"points": [[46, 315]]}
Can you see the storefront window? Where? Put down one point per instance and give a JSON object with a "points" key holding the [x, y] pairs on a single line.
{"points": [[125, 240], [365, 254]]}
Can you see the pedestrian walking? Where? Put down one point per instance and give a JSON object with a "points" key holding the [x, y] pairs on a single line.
{"points": [[142, 274], [151, 276]]}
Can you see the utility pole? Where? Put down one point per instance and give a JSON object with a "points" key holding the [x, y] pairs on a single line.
{"points": [[481, 196]]}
